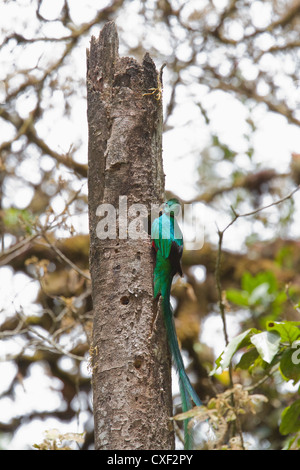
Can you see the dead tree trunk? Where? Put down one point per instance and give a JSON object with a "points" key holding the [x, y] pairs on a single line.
{"points": [[131, 364]]}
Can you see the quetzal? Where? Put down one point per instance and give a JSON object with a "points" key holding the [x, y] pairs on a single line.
{"points": [[167, 241]]}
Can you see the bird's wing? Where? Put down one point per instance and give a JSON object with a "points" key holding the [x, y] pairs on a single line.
{"points": [[161, 234]]}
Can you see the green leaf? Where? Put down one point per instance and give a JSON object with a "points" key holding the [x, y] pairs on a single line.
{"points": [[249, 282], [290, 364], [267, 344], [260, 295], [292, 440], [248, 359], [14, 218], [238, 297], [236, 343], [288, 332], [290, 419]]}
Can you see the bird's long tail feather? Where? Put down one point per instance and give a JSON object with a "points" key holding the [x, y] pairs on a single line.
{"points": [[187, 391], [173, 343], [162, 285], [186, 406]]}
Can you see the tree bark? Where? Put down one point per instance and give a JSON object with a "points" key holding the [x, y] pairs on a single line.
{"points": [[130, 360]]}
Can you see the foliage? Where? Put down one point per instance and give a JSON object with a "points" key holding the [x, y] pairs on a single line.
{"points": [[54, 440], [276, 347], [221, 411], [260, 294]]}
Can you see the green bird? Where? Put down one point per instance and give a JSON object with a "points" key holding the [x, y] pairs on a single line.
{"points": [[167, 241]]}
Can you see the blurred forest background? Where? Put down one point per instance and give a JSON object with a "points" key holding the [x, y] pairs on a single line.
{"points": [[231, 144]]}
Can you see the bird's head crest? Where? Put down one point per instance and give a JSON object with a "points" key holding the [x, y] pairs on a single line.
{"points": [[172, 207]]}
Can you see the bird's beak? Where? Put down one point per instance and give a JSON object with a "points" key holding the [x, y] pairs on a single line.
{"points": [[162, 207]]}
